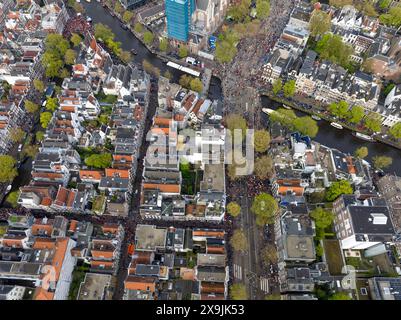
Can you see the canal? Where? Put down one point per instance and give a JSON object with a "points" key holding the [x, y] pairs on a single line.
{"points": [[344, 141]]}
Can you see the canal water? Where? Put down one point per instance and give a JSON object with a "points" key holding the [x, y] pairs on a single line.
{"points": [[344, 141]]}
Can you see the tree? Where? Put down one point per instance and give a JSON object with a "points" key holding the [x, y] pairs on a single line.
{"points": [[289, 88], [284, 117], [320, 23], [395, 130], [265, 207], [167, 74], [269, 254], [38, 85], [225, 51], [100, 161], [263, 167], [340, 296], [40, 135], [373, 122], [183, 51], [163, 44], [196, 85], [392, 17], [76, 39], [148, 37], [234, 209], [30, 150], [384, 4], [238, 240], [45, 118], [236, 122], [277, 86], [306, 126], [125, 56], [8, 171], [138, 28], [12, 198], [331, 47], [361, 152], [339, 109], [185, 81], [337, 189], [103, 32], [238, 292], [70, 56], [17, 134], [262, 9], [55, 50], [30, 106], [118, 8], [64, 73], [261, 140], [51, 104], [356, 114], [239, 12], [127, 16], [323, 218], [274, 296], [382, 162]]}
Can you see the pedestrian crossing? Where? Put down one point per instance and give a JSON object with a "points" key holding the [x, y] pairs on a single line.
{"points": [[264, 285], [237, 272]]}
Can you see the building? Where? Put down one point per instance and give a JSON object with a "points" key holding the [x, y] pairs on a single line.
{"points": [[179, 15], [385, 288], [362, 224]]}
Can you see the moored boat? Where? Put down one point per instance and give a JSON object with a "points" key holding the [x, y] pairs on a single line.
{"points": [[363, 136], [336, 125]]}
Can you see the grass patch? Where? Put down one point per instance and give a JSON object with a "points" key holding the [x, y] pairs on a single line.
{"points": [[12, 198], [333, 256], [78, 276], [98, 203]]}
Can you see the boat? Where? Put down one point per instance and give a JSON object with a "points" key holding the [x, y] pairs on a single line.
{"points": [[286, 107], [9, 188], [336, 125], [267, 111], [133, 51], [363, 136], [314, 117]]}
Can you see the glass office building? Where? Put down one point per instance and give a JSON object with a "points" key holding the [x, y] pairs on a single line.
{"points": [[178, 13]]}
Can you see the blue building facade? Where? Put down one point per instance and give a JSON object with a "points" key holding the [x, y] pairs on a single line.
{"points": [[178, 13]]}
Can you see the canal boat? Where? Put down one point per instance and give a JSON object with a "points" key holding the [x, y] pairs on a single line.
{"points": [[286, 107], [363, 136], [267, 111], [133, 51], [314, 117], [336, 125]]}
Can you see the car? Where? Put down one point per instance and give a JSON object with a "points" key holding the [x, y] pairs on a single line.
{"points": [[20, 148]]}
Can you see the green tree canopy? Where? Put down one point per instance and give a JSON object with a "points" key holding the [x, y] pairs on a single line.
{"points": [[148, 37], [382, 162], [339, 109], [337, 189], [261, 140], [361, 152], [8, 171], [40, 135], [289, 88], [30, 106], [262, 9], [17, 134], [236, 122], [70, 56], [238, 292], [238, 240], [277, 86], [138, 28], [263, 167], [38, 85], [45, 118], [183, 51], [355, 114], [100, 161], [331, 47], [323, 218], [51, 104], [306, 126], [340, 296], [395, 130], [265, 208], [196, 85], [163, 44], [320, 23], [76, 39], [234, 209], [127, 16], [392, 17], [269, 254], [373, 122]]}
